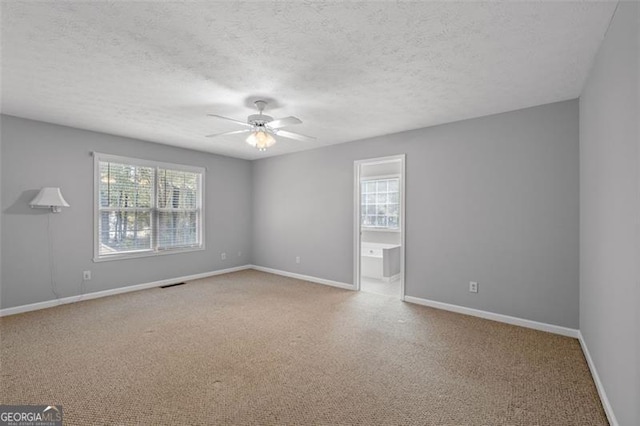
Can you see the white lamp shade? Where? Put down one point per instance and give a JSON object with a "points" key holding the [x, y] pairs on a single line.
{"points": [[49, 198], [261, 140]]}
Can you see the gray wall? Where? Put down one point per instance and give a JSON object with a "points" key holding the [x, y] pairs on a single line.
{"points": [[36, 154], [610, 214], [493, 200]]}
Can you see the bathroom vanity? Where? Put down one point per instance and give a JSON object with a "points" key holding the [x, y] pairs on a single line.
{"points": [[380, 261]]}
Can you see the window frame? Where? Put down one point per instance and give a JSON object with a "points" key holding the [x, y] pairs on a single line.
{"points": [[156, 165], [379, 228]]}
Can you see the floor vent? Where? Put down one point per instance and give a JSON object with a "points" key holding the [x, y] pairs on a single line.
{"points": [[171, 285]]}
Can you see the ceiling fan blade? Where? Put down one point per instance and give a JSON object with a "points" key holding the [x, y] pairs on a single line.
{"points": [[230, 119], [215, 135], [282, 122], [296, 136]]}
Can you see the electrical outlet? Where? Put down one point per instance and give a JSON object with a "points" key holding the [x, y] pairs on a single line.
{"points": [[86, 275], [297, 259], [223, 256], [239, 253], [473, 287]]}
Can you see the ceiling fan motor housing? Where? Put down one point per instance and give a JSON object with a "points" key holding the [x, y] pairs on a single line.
{"points": [[259, 119]]}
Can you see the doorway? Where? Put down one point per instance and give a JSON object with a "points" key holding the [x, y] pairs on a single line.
{"points": [[379, 223]]}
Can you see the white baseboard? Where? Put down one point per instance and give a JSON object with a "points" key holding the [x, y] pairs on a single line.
{"points": [[304, 277], [556, 329], [104, 293], [608, 409], [392, 278]]}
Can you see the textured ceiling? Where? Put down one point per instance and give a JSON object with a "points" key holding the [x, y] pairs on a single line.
{"points": [[153, 70]]}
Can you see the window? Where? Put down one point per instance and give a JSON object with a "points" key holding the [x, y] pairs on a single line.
{"points": [[380, 203], [146, 208]]}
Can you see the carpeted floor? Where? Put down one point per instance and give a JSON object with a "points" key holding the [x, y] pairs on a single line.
{"points": [[253, 348]]}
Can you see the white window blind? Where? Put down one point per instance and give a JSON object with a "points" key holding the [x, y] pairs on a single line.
{"points": [[146, 208], [380, 203], [177, 209]]}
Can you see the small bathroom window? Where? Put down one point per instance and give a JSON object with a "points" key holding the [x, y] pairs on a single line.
{"points": [[380, 203]]}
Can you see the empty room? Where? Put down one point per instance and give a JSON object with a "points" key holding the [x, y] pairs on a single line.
{"points": [[320, 213]]}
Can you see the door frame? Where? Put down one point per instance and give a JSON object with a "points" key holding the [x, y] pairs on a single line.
{"points": [[357, 233]]}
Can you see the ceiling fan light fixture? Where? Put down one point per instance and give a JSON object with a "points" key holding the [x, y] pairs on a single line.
{"points": [[261, 140]]}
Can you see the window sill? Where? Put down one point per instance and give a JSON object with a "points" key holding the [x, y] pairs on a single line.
{"points": [[364, 228], [145, 254]]}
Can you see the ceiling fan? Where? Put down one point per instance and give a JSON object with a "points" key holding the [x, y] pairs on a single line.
{"points": [[263, 128]]}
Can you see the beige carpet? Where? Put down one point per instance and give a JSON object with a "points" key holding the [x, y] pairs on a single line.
{"points": [[252, 348]]}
